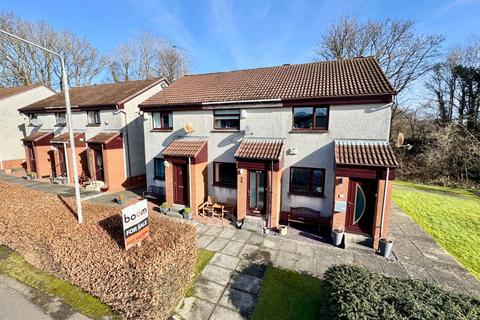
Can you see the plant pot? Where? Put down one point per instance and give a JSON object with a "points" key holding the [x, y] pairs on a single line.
{"points": [[283, 230], [187, 215], [385, 247], [337, 237], [163, 210], [266, 230], [8, 171]]}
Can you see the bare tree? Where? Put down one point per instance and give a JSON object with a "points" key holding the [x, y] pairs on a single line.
{"points": [[147, 56], [21, 64], [403, 54]]}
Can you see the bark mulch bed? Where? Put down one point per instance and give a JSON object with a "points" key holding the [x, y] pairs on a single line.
{"points": [[143, 283]]}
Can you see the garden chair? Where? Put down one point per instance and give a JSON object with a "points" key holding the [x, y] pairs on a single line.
{"points": [[207, 206]]}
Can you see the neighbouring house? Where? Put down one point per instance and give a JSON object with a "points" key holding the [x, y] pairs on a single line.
{"points": [[296, 143], [108, 133], [12, 129]]}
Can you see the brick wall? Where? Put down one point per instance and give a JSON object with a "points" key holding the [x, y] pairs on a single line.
{"points": [[198, 185], [340, 194], [169, 183], [113, 163], [42, 161], [13, 164], [241, 193], [378, 211], [276, 196]]}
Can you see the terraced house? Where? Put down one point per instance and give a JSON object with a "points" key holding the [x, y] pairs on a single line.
{"points": [[108, 133], [12, 130], [305, 143]]}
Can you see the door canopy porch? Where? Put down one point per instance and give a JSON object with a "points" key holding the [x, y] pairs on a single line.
{"points": [[364, 153], [187, 147], [256, 153]]}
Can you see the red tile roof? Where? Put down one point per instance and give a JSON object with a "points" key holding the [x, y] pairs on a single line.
{"points": [[104, 137], [260, 149], [65, 137], [343, 78], [37, 135], [185, 147], [359, 153], [11, 91], [101, 95]]}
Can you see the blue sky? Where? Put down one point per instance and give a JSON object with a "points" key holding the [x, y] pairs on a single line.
{"points": [[227, 34]]}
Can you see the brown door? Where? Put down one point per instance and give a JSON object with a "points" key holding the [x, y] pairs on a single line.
{"points": [[97, 159], [361, 205], [62, 165], [180, 184], [31, 159], [53, 165], [257, 192]]}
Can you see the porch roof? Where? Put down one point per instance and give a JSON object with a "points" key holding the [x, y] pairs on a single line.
{"points": [[185, 147], [260, 149], [37, 135], [104, 137], [364, 153], [64, 137]]}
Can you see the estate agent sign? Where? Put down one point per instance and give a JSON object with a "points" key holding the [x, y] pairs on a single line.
{"points": [[135, 223]]}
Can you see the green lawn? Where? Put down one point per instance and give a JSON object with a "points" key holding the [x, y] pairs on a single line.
{"points": [[451, 216], [290, 295], [13, 265], [203, 257]]}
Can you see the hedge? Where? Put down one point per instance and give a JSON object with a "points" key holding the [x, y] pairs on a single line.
{"points": [[145, 282], [356, 293]]}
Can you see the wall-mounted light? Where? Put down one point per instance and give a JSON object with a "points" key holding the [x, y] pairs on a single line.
{"points": [[292, 151], [166, 164]]}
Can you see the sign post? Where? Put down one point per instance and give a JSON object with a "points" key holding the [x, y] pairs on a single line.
{"points": [[135, 223]]}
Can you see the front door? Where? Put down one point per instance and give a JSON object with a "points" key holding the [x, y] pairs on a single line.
{"points": [[180, 184], [97, 159], [31, 159], [257, 192], [62, 163], [361, 205]]}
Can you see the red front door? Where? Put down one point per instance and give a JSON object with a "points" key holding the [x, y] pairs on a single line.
{"points": [[361, 205], [31, 159], [62, 162], [180, 184], [97, 159]]}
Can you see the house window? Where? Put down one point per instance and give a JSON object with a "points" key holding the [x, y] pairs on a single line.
{"points": [[313, 118], [159, 165], [226, 119], [32, 119], [162, 120], [93, 117], [225, 174], [307, 181], [60, 119]]}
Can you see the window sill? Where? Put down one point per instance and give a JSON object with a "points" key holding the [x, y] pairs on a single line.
{"points": [[308, 131], [60, 125], [226, 130], [161, 130], [224, 186], [94, 125], [311, 195], [158, 179]]}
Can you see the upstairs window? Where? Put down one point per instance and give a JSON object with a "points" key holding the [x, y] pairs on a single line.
{"points": [[226, 119], [307, 181], [225, 174], [310, 118], [33, 119], [93, 117], [60, 119], [159, 165], [162, 120]]}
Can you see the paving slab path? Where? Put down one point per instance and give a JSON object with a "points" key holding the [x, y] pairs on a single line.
{"points": [[229, 285]]}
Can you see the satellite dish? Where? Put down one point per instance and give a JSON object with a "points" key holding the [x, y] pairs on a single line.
{"points": [[248, 131], [400, 139], [188, 127]]}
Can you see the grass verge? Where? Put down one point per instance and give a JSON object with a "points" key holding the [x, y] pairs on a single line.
{"points": [[13, 265], [450, 216], [203, 257], [290, 295]]}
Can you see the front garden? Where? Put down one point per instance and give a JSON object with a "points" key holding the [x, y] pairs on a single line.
{"points": [[144, 282], [451, 216]]}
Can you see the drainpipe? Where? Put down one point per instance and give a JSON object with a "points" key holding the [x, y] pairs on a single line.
{"points": [[66, 161], [384, 202], [127, 141]]}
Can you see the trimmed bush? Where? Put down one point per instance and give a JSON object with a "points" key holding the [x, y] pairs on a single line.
{"points": [[145, 282], [356, 293]]}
